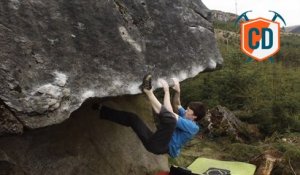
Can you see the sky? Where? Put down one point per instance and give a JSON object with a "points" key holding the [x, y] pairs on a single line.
{"points": [[288, 9]]}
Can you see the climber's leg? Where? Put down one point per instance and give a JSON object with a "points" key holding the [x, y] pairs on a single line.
{"points": [[127, 119]]}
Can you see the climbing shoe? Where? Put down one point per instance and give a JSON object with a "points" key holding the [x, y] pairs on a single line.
{"points": [[147, 83]]}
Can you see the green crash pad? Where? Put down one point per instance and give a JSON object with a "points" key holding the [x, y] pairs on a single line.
{"points": [[201, 165]]}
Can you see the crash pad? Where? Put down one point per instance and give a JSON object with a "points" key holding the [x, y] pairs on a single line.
{"points": [[201, 165]]}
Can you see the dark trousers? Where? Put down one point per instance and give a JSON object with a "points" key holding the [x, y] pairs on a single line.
{"points": [[156, 142]]}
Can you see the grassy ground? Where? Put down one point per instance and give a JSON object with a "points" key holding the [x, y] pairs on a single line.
{"points": [[224, 149]]}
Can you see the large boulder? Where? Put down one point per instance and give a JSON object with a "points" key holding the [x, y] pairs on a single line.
{"points": [[55, 54]]}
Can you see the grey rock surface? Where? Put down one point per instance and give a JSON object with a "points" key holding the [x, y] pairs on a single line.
{"points": [[56, 54], [8, 122]]}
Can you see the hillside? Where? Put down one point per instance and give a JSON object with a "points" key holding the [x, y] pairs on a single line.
{"points": [[223, 16], [293, 29]]}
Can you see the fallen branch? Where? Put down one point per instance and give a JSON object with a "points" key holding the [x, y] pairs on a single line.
{"points": [[292, 167]]}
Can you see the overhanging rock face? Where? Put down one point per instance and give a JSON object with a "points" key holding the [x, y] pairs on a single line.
{"points": [[55, 54]]}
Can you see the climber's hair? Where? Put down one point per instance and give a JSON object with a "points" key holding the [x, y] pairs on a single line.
{"points": [[199, 109]]}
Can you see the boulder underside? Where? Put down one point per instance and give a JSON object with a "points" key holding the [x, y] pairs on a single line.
{"points": [[84, 145]]}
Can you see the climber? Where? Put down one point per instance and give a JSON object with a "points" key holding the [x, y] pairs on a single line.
{"points": [[173, 130]]}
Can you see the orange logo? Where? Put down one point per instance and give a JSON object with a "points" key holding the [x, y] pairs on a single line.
{"points": [[260, 37]]}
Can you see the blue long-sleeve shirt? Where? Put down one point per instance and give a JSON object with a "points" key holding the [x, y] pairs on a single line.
{"points": [[185, 130]]}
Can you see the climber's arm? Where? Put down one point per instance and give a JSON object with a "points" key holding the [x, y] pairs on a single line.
{"points": [[176, 99]]}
